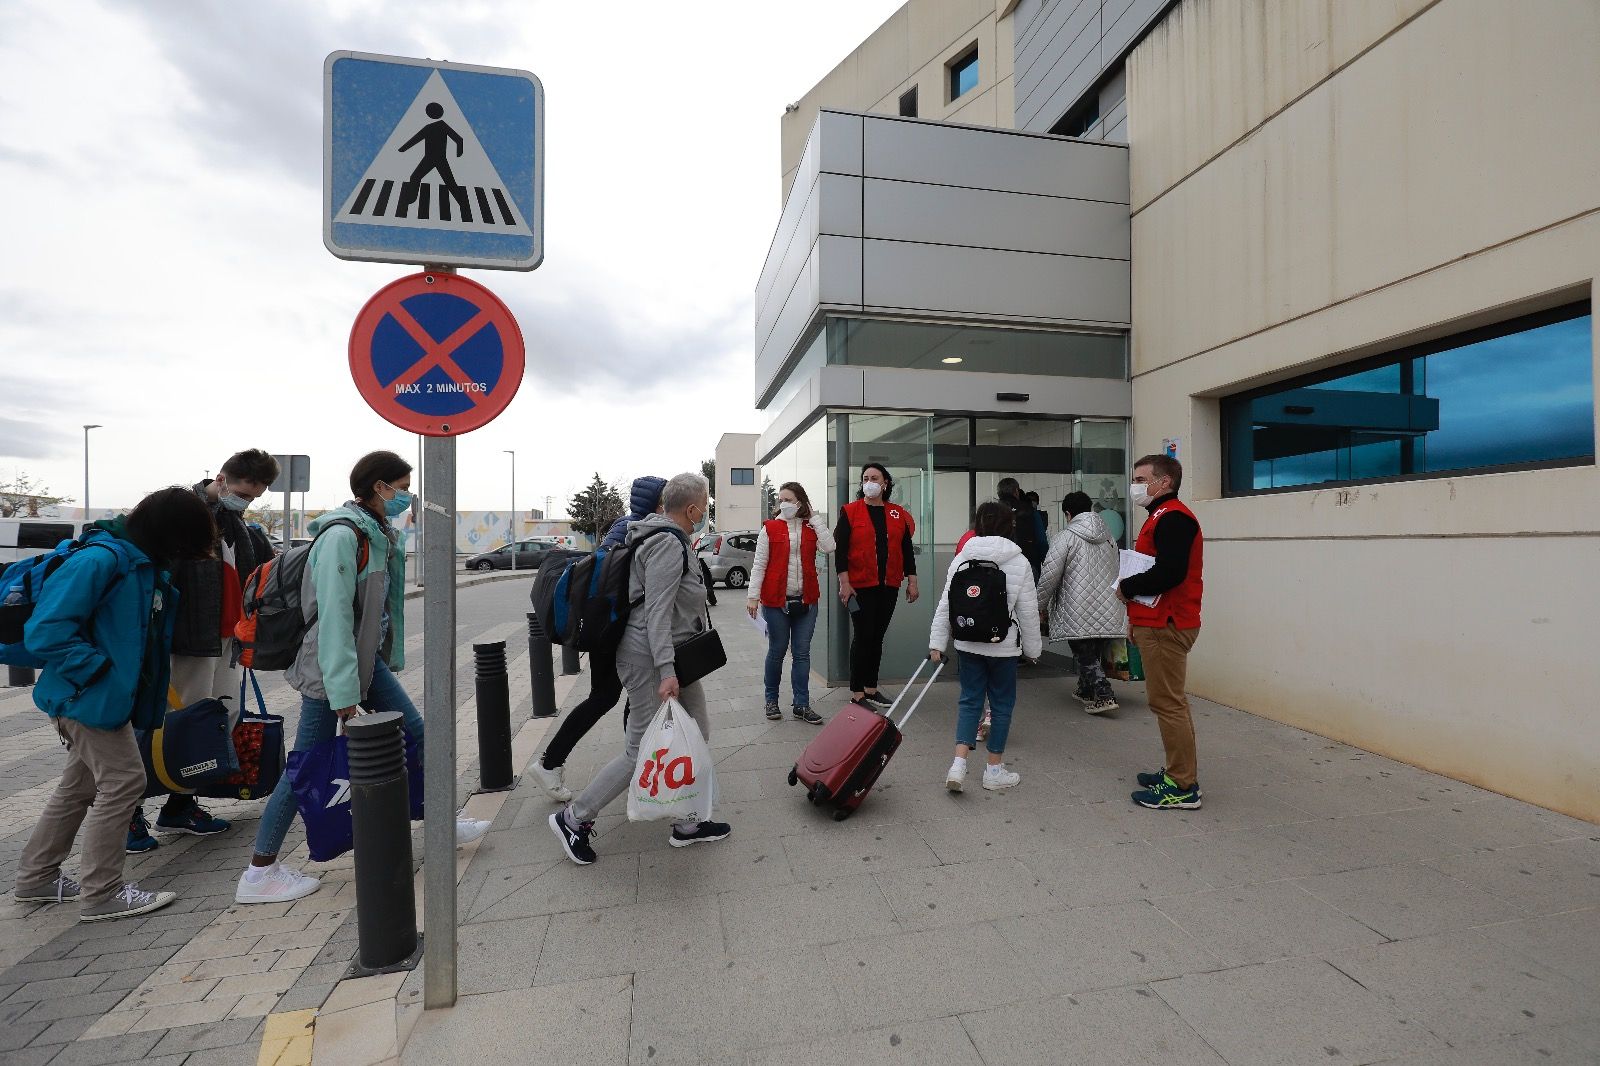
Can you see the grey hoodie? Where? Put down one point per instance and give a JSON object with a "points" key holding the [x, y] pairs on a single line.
{"points": [[674, 607], [1075, 583]]}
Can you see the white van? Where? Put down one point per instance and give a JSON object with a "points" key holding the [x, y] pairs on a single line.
{"points": [[21, 538]]}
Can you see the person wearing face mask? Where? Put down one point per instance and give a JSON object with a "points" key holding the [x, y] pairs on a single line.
{"points": [[670, 608], [210, 603], [355, 594], [103, 626], [1165, 633], [785, 591], [874, 556]]}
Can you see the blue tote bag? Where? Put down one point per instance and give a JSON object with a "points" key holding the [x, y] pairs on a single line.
{"points": [[320, 778]]}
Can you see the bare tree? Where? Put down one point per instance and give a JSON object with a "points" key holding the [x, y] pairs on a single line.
{"points": [[23, 495]]}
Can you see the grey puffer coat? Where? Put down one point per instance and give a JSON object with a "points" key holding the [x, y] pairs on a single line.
{"points": [[1076, 582]]}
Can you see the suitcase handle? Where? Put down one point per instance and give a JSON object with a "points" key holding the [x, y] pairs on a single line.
{"points": [[927, 685]]}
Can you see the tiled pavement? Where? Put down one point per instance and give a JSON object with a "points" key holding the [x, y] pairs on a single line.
{"points": [[193, 982], [1326, 906]]}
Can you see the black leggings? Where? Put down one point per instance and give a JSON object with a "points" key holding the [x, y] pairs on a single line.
{"points": [[871, 624], [605, 688]]}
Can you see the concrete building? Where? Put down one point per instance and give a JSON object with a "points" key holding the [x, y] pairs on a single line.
{"points": [[1360, 249], [738, 487]]}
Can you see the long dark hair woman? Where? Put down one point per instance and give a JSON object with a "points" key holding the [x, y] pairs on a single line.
{"points": [[785, 593], [874, 557]]}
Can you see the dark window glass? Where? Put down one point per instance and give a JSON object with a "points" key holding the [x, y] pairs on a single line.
{"points": [[1080, 119], [964, 74], [743, 475], [923, 346], [1515, 395], [42, 534], [908, 103]]}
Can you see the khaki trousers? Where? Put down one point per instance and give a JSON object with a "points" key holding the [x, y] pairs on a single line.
{"points": [[1165, 653], [103, 781]]}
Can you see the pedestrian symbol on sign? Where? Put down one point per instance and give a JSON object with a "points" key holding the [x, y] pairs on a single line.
{"points": [[467, 196]]}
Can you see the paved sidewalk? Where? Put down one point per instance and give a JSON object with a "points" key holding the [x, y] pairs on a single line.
{"points": [[1326, 905]]}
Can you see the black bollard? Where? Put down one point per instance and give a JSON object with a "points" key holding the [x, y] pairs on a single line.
{"points": [[380, 804], [19, 676], [540, 669], [569, 659], [494, 717]]}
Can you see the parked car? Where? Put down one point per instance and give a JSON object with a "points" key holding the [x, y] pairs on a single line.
{"points": [[729, 556], [529, 554], [23, 538]]}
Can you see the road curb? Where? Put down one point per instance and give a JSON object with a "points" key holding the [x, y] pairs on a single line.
{"points": [[467, 583]]}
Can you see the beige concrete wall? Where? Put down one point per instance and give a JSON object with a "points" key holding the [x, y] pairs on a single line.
{"points": [[1322, 180], [738, 506], [913, 48]]}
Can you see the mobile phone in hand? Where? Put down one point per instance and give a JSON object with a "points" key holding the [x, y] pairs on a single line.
{"points": [[853, 605]]}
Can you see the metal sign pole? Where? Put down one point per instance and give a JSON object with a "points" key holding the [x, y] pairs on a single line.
{"points": [[439, 710]]}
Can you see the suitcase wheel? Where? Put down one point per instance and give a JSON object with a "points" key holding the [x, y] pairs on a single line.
{"points": [[820, 793], [840, 815], [794, 777]]}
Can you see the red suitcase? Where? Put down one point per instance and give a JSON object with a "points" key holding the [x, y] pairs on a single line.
{"points": [[843, 762]]}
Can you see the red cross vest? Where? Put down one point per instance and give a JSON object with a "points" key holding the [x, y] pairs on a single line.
{"points": [[775, 584], [1179, 605], [864, 544]]}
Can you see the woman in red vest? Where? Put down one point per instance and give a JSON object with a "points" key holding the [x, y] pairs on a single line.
{"points": [[874, 557], [785, 592]]}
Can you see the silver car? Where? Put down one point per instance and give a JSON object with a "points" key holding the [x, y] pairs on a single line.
{"points": [[729, 556]]}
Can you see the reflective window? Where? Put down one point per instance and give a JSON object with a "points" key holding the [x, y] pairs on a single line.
{"points": [[1515, 395], [42, 534], [964, 74], [924, 346], [908, 103], [742, 475]]}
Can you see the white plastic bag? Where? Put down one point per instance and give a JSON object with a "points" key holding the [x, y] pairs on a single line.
{"points": [[673, 777]]}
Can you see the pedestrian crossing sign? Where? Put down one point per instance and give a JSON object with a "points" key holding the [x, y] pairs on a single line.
{"points": [[432, 163]]}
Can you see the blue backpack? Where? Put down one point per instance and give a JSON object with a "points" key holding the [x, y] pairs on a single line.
{"points": [[581, 598], [20, 586]]}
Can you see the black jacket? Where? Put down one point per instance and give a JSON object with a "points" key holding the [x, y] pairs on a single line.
{"points": [[198, 627]]}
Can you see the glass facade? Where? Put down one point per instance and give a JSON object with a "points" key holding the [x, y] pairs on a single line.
{"points": [[1516, 395], [924, 346]]}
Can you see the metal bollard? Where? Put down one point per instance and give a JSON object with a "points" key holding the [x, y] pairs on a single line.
{"points": [[569, 659], [19, 676], [494, 717], [541, 670], [380, 803]]}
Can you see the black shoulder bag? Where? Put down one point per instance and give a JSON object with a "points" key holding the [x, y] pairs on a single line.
{"points": [[700, 655]]}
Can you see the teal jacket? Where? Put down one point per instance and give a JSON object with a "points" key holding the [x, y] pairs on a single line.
{"points": [[346, 604], [103, 626]]}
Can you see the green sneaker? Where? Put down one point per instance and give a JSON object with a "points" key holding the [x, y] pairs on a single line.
{"points": [[1166, 795], [1152, 780]]}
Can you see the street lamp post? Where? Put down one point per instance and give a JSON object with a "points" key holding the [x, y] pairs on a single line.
{"points": [[513, 455], [86, 430]]}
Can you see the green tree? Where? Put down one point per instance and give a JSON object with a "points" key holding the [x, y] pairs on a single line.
{"points": [[23, 495], [595, 508], [708, 469], [769, 497]]}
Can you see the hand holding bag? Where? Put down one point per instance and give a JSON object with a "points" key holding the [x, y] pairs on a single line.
{"points": [[673, 777], [320, 778]]}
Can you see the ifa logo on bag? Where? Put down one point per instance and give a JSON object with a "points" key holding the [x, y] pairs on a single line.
{"points": [[676, 774]]}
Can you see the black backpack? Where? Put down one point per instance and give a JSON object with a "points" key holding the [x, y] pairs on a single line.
{"points": [[581, 598], [977, 599]]}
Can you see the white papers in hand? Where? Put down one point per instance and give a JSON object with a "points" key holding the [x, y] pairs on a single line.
{"points": [[758, 622], [1132, 564]]}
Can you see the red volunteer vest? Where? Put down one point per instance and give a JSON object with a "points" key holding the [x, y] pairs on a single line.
{"points": [[775, 585], [864, 544], [1180, 605]]}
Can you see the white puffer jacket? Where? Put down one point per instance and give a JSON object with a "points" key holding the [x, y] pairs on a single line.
{"points": [[1075, 583], [1020, 601]]}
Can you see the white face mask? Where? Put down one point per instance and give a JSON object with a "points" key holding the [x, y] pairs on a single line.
{"points": [[1140, 494], [871, 490], [787, 510]]}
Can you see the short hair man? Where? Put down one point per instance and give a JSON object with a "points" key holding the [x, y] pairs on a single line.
{"points": [[210, 603], [1028, 529], [1164, 621]]}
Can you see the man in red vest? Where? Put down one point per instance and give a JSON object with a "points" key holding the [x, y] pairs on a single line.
{"points": [[1164, 620]]}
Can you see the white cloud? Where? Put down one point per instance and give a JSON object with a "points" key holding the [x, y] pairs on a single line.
{"points": [[164, 271]]}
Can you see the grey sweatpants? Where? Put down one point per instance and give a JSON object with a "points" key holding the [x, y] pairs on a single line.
{"points": [[103, 781], [641, 681]]}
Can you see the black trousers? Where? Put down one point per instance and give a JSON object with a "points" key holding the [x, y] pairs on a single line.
{"points": [[605, 688], [870, 625]]}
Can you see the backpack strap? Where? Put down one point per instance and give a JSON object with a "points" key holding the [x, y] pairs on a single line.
{"points": [[633, 554], [363, 552]]}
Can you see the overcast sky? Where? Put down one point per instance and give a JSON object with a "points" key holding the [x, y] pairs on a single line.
{"points": [[164, 273]]}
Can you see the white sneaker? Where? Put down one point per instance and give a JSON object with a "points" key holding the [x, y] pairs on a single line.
{"points": [[469, 829], [996, 778], [551, 780], [957, 777], [274, 884]]}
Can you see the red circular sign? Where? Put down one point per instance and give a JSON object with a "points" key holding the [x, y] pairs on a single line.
{"points": [[436, 354]]}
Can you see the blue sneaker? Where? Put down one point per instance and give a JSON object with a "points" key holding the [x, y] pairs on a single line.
{"points": [[139, 838], [193, 819], [1165, 795]]}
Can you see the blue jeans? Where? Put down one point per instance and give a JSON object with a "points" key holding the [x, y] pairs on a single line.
{"points": [[786, 633], [317, 724], [996, 677]]}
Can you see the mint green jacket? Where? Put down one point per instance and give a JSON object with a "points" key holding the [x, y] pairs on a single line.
{"points": [[346, 605]]}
